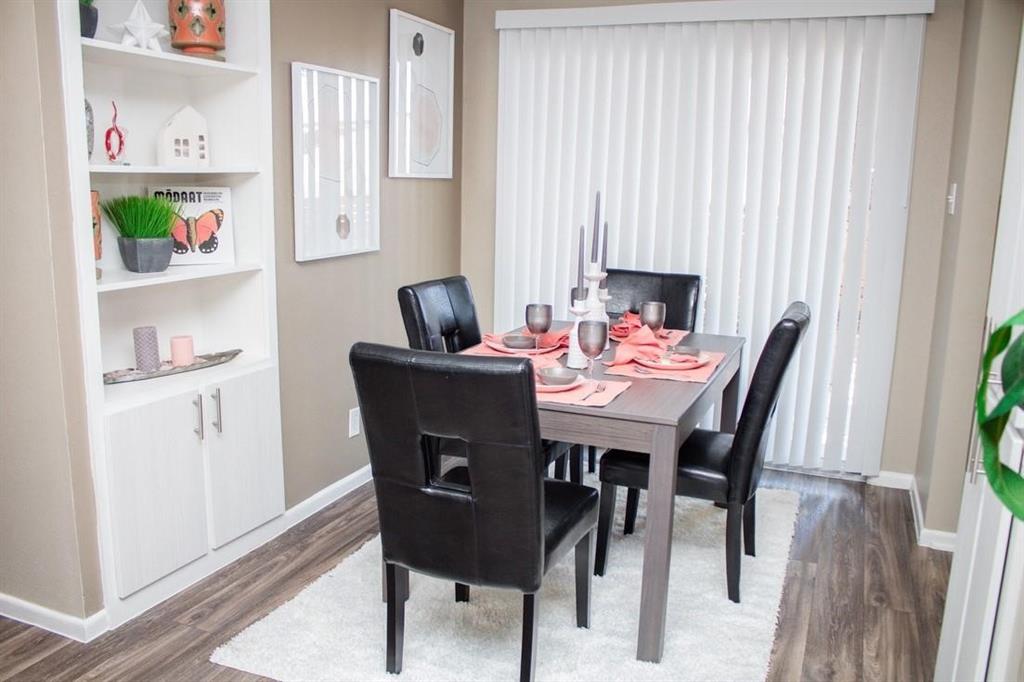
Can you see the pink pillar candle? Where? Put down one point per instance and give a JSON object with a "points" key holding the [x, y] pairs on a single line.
{"points": [[182, 354]]}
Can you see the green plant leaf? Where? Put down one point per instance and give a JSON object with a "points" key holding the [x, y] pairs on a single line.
{"points": [[1006, 483]]}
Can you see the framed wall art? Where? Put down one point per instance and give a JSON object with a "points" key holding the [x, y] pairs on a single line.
{"points": [[336, 162], [421, 98]]}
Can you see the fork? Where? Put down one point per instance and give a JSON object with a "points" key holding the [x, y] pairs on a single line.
{"points": [[597, 389]]}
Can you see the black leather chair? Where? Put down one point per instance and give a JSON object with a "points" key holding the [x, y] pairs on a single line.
{"points": [[496, 522], [629, 288], [720, 467], [680, 293], [440, 315]]}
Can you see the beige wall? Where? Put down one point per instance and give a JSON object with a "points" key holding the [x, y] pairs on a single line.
{"points": [[325, 306], [987, 68], [48, 544], [932, 151]]}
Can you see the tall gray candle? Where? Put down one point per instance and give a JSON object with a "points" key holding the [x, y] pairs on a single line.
{"points": [[579, 265], [147, 350], [604, 249], [597, 228], [604, 258]]}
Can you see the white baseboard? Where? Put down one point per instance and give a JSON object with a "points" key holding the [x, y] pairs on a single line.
{"points": [[73, 627], [942, 540], [891, 479], [119, 611]]}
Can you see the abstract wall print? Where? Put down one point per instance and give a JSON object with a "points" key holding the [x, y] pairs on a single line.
{"points": [[422, 84], [336, 162], [203, 230]]}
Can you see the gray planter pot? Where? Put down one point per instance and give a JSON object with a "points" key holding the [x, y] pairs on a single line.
{"points": [[145, 255], [88, 17]]}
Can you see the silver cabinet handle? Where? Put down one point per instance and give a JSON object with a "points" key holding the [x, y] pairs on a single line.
{"points": [[218, 423], [200, 430]]}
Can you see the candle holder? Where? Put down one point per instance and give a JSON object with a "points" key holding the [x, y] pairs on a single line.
{"points": [[576, 359]]}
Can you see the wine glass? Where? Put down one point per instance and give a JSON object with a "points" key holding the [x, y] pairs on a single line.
{"points": [[593, 335], [538, 318], [652, 314]]}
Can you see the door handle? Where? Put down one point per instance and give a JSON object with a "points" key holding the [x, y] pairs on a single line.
{"points": [[218, 423], [199, 430]]}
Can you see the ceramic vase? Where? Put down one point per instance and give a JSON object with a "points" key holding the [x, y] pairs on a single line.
{"points": [[197, 27], [145, 255], [88, 18], [147, 349]]}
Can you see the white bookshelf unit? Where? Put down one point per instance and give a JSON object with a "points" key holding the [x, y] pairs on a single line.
{"points": [[187, 468]]}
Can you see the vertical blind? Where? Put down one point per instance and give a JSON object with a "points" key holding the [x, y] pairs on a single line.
{"points": [[771, 157]]}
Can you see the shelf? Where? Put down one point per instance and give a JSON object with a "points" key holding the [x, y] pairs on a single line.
{"points": [[121, 397], [117, 280], [113, 54], [169, 170]]}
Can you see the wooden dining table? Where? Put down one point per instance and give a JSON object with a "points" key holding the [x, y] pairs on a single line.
{"points": [[654, 416]]}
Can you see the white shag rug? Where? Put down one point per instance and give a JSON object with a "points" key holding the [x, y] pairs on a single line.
{"points": [[334, 629]]}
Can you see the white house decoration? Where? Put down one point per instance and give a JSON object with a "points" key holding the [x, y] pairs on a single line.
{"points": [[184, 140]]}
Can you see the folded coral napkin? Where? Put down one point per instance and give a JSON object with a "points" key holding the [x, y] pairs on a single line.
{"points": [[628, 323], [584, 395], [643, 343]]}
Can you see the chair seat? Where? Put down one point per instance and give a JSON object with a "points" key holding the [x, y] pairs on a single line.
{"points": [[455, 447], [703, 466], [570, 512]]}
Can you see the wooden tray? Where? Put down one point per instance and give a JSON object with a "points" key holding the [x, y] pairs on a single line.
{"points": [[120, 376]]}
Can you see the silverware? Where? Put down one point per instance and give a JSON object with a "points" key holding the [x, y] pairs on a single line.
{"points": [[600, 388], [642, 370]]}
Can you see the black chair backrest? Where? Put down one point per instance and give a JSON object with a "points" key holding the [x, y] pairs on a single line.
{"points": [[492, 532], [751, 439], [629, 288], [439, 315]]}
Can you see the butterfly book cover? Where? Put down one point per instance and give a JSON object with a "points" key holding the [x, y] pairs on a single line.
{"points": [[202, 231]]}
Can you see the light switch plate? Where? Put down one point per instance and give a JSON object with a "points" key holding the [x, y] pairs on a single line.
{"points": [[355, 422], [951, 199]]}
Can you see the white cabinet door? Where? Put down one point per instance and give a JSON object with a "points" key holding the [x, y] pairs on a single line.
{"points": [[157, 491], [243, 441], [976, 577]]}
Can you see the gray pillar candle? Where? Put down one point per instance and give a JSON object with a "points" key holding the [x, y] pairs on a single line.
{"points": [[604, 258], [597, 228], [579, 265], [147, 349]]}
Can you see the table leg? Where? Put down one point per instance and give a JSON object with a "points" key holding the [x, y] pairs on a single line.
{"points": [[730, 405], [661, 496]]}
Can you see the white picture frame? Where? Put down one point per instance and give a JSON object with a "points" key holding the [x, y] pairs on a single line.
{"points": [[336, 170], [421, 102]]}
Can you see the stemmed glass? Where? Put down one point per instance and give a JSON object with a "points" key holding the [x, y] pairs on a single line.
{"points": [[538, 319], [593, 335], [652, 313]]}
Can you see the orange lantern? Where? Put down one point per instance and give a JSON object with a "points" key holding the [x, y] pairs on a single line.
{"points": [[197, 26]]}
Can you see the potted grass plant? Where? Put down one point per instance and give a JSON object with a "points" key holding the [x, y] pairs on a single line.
{"points": [[144, 225], [88, 17]]}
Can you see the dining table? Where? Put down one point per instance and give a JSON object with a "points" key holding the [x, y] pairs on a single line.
{"points": [[654, 416]]}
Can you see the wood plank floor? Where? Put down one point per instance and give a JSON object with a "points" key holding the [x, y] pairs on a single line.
{"points": [[861, 600]]}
